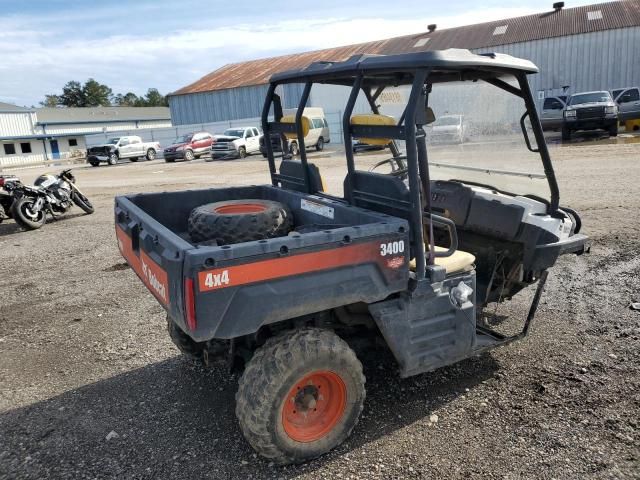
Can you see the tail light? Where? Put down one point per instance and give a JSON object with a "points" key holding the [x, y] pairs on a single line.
{"points": [[189, 304]]}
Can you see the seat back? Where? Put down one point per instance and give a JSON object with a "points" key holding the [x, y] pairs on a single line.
{"points": [[292, 176], [306, 126], [381, 193]]}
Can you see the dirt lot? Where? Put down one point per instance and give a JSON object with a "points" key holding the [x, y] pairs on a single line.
{"points": [[84, 352]]}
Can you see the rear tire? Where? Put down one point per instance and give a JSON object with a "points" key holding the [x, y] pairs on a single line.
{"points": [[566, 133], [320, 144], [187, 346], [188, 155], [94, 164], [237, 221], [300, 395], [82, 202], [20, 211]]}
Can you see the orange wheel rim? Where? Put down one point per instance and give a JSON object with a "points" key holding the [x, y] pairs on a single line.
{"points": [[240, 208], [314, 406]]}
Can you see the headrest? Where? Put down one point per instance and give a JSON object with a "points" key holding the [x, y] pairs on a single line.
{"points": [[306, 125], [373, 119]]}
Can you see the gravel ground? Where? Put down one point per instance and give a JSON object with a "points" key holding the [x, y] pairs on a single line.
{"points": [[92, 387]]}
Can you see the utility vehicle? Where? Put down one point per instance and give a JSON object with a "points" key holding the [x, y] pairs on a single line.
{"points": [[410, 255]]}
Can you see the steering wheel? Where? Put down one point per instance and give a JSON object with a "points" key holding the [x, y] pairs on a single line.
{"points": [[398, 166]]}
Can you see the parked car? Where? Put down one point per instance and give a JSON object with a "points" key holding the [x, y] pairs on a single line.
{"points": [[236, 143], [590, 111], [448, 129], [131, 147], [317, 136], [189, 146], [551, 116], [360, 146], [628, 100]]}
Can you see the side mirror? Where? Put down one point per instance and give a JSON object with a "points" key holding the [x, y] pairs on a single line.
{"points": [[429, 116]]}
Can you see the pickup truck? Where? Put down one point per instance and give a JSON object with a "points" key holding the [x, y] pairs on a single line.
{"points": [[236, 142], [131, 147], [590, 111]]}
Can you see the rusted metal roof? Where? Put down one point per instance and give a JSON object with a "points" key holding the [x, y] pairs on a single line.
{"points": [[555, 23]]}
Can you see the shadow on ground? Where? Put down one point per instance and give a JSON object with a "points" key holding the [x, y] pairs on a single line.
{"points": [[176, 420]]}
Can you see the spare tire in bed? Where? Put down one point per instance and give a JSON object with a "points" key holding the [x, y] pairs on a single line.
{"points": [[236, 221]]}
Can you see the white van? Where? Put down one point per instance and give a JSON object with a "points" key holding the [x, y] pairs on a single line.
{"points": [[316, 137]]}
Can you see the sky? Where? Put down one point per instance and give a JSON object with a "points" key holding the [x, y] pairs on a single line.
{"points": [[166, 44]]}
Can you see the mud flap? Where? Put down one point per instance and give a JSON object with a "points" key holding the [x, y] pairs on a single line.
{"points": [[427, 329]]}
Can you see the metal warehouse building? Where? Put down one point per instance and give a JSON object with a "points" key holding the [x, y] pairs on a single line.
{"points": [[34, 136], [595, 47]]}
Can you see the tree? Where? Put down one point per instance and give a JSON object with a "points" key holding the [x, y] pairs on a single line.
{"points": [[51, 101], [96, 94], [72, 95], [127, 100], [155, 99]]}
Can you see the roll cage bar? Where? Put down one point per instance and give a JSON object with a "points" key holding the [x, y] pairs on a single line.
{"points": [[419, 71]]}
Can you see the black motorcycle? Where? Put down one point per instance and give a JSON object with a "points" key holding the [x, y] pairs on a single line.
{"points": [[7, 185], [53, 194]]}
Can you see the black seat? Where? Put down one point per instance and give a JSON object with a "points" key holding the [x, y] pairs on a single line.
{"points": [[381, 193], [292, 176]]}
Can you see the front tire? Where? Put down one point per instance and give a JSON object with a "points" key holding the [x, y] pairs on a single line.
{"points": [[83, 202], [242, 152], [300, 395], [151, 154], [22, 213], [188, 155], [113, 158]]}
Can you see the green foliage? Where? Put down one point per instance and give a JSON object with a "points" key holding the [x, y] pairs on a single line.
{"points": [[95, 94]]}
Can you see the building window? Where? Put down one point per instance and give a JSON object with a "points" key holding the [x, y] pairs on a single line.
{"points": [[9, 149], [73, 142], [25, 147]]}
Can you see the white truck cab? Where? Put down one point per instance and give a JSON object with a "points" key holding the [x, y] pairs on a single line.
{"points": [[131, 147]]}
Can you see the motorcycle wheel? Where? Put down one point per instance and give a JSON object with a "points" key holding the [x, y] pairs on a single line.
{"points": [[83, 202], [25, 217]]}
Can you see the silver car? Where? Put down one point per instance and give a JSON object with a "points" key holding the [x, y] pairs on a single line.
{"points": [[448, 129]]}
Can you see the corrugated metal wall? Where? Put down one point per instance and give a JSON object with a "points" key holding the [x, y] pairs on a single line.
{"points": [[594, 61], [231, 104], [16, 123]]}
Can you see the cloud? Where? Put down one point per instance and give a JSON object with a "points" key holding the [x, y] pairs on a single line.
{"points": [[38, 60]]}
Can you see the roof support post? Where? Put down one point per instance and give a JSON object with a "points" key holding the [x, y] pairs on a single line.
{"points": [[346, 132], [301, 146], [540, 142], [265, 129], [417, 94]]}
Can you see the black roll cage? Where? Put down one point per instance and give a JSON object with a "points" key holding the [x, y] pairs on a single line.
{"points": [[409, 128]]}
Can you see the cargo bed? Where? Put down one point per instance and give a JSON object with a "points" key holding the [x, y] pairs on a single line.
{"points": [[335, 256]]}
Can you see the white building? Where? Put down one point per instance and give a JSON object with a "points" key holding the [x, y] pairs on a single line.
{"points": [[33, 136]]}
